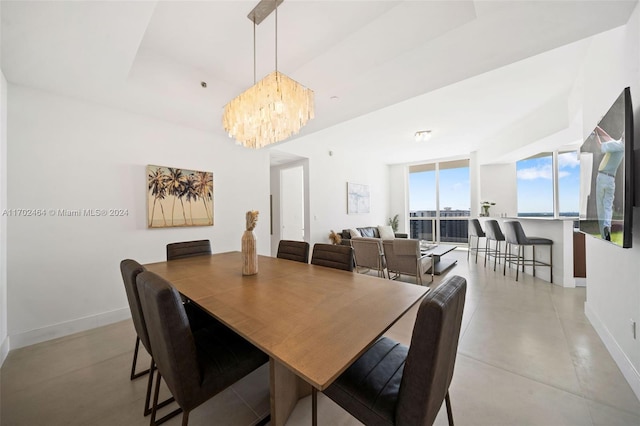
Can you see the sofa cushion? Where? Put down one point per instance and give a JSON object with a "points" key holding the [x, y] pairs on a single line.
{"points": [[386, 232], [355, 233], [369, 232]]}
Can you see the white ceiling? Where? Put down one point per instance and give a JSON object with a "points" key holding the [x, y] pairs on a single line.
{"points": [[465, 69]]}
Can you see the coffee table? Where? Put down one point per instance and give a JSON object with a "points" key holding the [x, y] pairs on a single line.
{"points": [[436, 252]]}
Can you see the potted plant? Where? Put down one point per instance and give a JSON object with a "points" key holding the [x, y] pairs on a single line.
{"points": [[485, 207], [393, 222]]}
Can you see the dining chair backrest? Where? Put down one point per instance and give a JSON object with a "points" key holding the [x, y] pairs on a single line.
{"points": [[431, 359], [333, 256], [188, 249], [170, 335], [293, 250], [130, 269]]}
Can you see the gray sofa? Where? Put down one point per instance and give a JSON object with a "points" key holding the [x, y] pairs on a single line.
{"points": [[366, 232]]}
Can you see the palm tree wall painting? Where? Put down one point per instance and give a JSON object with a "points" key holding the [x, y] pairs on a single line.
{"points": [[179, 197]]}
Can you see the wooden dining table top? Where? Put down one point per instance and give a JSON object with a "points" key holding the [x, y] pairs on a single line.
{"points": [[314, 320]]}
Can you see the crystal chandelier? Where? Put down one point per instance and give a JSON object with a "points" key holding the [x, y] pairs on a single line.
{"points": [[272, 109]]}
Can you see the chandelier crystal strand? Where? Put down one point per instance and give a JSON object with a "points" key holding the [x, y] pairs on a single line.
{"points": [[270, 111]]}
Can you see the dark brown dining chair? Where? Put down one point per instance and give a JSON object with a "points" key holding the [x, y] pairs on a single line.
{"points": [[391, 384], [130, 270], [195, 365], [188, 249], [333, 256], [293, 250]]}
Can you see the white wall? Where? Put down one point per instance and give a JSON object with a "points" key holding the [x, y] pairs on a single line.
{"points": [[4, 341], [498, 184], [613, 287], [63, 272], [398, 195], [329, 173]]}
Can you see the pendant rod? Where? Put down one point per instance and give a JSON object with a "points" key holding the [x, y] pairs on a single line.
{"points": [[276, 8]]}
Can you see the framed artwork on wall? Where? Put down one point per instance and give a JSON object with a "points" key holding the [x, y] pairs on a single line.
{"points": [[358, 198], [179, 197]]}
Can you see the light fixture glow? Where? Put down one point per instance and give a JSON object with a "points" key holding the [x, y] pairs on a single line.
{"points": [[274, 108], [422, 135]]}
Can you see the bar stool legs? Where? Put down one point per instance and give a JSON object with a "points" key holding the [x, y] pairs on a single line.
{"points": [[475, 230], [515, 236]]}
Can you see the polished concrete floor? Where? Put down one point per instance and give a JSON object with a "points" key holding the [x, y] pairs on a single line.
{"points": [[527, 356]]}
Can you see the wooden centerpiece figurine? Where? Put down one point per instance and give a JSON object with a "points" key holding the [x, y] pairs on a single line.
{"points": [[249, 252]]}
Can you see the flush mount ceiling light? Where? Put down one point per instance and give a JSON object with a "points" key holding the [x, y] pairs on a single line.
{"points": [[272, 109], [422, 135]]}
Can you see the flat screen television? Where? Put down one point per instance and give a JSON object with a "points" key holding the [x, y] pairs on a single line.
{"points": [[606, 173]]}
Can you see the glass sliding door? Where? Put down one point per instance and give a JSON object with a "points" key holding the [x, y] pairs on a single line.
{"points": [[422, 202], [439, 200]]}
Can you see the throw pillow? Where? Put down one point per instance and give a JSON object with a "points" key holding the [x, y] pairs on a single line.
{"points": [[386, 232], [354, 233]]}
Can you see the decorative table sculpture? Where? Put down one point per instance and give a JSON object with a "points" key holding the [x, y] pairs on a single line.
{"points": [[249, 253]]}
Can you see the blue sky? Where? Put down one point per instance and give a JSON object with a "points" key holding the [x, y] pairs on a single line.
{"points": [[535, 184], [454, 189]]}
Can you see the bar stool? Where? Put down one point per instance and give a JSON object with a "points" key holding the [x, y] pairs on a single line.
{"points": [[516, 237], [494, 233], [475, 230]]}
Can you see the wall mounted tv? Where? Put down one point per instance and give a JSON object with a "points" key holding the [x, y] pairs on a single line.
{"points": [[606, 173]]}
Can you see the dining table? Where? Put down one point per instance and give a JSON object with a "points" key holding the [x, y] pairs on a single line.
{"points": [[312, 321]]}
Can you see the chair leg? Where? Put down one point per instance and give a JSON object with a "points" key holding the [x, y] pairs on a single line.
{"points": [[507, 258], [135, 375], [147, 400], [147, 405], [533, 267], [477, 248], [314, 406], [497, 253], [185, 418], [447, 400], [518, 262], [487, 253], [155, 406], [551, 264]]}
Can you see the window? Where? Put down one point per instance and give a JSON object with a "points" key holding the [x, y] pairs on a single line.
{"points": [[439, 197], [538, 176], [569, 183], [535, 185]]}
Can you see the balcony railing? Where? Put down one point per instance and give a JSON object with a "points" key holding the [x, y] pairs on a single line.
{"points": [[453, 226]]}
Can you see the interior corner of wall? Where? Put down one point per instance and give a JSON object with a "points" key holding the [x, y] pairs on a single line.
{"points": [[4, 349]]}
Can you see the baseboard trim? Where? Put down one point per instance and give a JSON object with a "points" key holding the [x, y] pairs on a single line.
{"points": [[66, 328], [4, 350], [619, 357]]}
